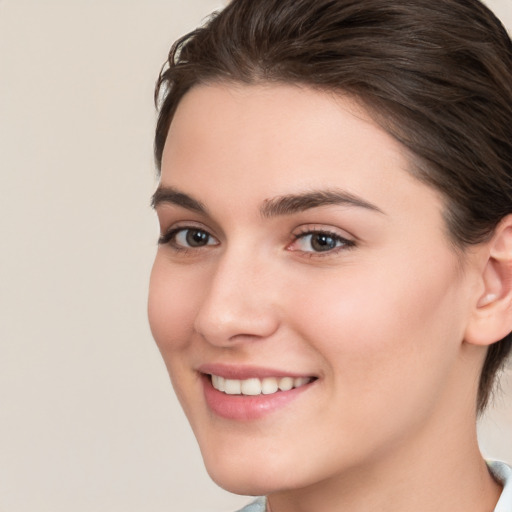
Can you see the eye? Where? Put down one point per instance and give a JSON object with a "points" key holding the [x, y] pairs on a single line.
{"points": [[319, 242], [187, 238]]}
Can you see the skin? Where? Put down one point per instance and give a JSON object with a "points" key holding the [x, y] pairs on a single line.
{"points": [[389, 424]]}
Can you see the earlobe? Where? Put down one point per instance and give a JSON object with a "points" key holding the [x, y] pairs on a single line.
{"points": [[491, 319]]}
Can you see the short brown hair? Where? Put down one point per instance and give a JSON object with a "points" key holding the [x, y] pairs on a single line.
{"points": [[437, 75]]}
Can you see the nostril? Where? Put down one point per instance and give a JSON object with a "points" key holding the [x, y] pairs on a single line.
{"points": [[236, 325]]}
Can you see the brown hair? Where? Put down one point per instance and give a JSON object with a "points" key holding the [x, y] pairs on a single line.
{"points": [[437, 75]]}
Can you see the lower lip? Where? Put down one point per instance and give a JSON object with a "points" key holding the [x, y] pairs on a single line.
{"points": [[245, 407]]}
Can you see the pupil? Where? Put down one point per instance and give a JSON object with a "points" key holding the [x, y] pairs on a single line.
{"points": [[197, 238], [323, 242]]}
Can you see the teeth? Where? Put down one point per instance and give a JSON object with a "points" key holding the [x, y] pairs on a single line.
{"points": [[300, 381], [218, 382], [285, 384], [269, 386], [251, 387], [254, 386], [232, 386]]}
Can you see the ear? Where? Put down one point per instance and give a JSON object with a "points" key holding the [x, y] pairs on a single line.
{"points": [[491, 318]]}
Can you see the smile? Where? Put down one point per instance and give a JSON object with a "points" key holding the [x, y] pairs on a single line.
{"points": [[256, 386], [245, 393]]}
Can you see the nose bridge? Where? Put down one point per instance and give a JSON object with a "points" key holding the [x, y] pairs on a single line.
{"points": [[238, 303]]}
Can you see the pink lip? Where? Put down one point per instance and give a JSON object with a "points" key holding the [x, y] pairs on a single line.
{"points": [[241, 407]]}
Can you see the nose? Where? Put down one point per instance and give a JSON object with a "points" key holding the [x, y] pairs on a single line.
{"points": [[239, 302]]}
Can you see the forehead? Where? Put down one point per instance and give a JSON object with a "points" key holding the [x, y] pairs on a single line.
{"points": [[276, 112], [251, 142]]}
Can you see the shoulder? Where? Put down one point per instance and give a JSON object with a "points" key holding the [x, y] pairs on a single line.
{"points": [[259, 505], [503, 474]]}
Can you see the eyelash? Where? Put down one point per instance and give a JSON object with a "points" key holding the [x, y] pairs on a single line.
{"points": [[169, 238], [345, 243]]}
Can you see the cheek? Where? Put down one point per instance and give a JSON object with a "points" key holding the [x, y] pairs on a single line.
{"points": [[171, 311], [386, 326], [171, 306]]}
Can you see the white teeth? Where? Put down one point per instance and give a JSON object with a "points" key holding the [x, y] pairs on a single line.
{"points": [[254, 386], [269, 385], [299, 381], [218, 382], [285, 384], [251, 387], [232, 386]]}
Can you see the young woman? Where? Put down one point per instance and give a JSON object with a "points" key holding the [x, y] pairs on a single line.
{"points": [[332, 293]]}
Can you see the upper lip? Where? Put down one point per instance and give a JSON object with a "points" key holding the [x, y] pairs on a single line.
{"points": [[242, 372]]}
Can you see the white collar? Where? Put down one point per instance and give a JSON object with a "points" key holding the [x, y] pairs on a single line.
{"points": [[503, 474]]}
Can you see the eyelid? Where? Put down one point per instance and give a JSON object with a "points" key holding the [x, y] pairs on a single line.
{"points": [[324, 228], [167, 235], [348, 242]]}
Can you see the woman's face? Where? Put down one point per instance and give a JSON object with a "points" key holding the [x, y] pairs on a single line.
{"points": [[297, 250]]}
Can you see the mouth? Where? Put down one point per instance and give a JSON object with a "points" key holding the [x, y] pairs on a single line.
{"points": [[250, 393], [257, 386]]}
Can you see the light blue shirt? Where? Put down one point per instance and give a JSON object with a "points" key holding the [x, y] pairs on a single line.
{"points": [[500, 470], [503, 475]]}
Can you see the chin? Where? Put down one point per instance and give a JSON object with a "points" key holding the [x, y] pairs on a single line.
{"points": [[254, 475], [239, 474], [249, 485]]}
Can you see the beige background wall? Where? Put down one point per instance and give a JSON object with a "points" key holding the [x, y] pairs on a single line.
{"points": [[88, 421]]}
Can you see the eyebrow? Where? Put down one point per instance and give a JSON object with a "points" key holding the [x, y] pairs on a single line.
{"points": [[295, 203], [173, 196], [277, 206]]}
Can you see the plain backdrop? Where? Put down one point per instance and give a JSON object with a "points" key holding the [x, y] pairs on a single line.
{"points": [[88, 420]]}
